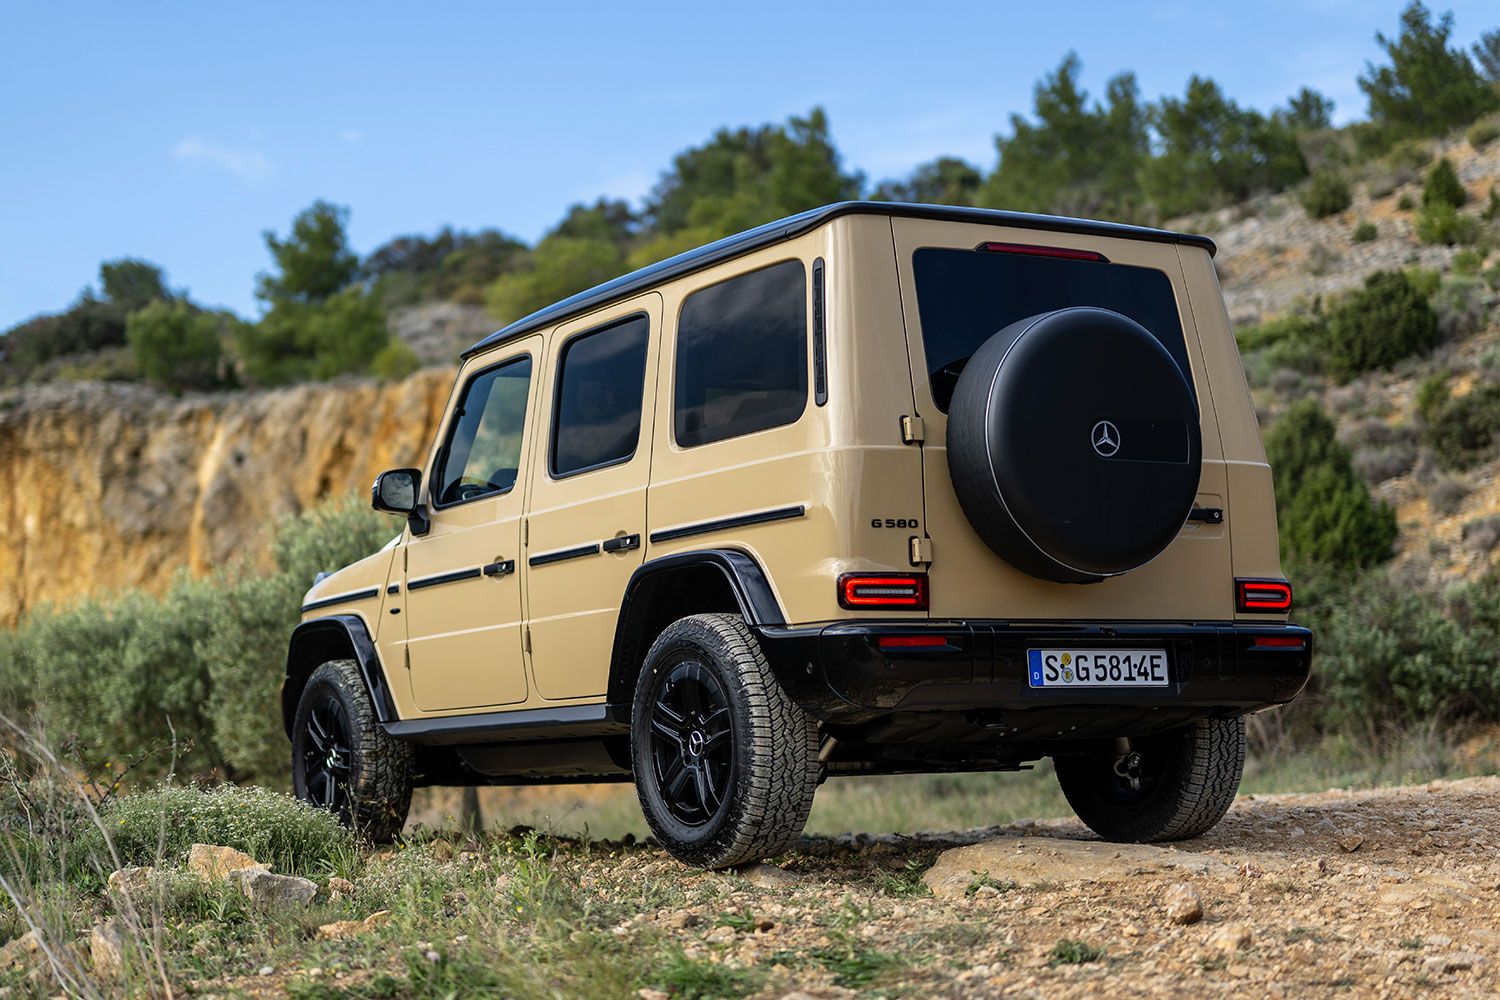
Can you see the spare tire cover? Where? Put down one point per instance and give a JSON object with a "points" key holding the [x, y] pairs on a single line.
{"points": [[1074, 445]]}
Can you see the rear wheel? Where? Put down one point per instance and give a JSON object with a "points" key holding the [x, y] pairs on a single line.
{"points": [[1182, 784], [343, 761], [725, 762]]}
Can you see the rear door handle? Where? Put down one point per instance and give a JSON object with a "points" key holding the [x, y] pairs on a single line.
{"points": [[622, 543], [1208, 515], [500, 568]]}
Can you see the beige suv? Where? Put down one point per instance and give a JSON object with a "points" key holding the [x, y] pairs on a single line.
{"points": [[875, 489]]}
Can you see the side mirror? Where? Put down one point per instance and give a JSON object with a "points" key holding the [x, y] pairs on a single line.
{"points": [[396, 492]]}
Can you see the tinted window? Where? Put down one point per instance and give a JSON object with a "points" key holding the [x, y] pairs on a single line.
{"points": [[483, 450], [742, 355], [596, 418], [966, 296]]}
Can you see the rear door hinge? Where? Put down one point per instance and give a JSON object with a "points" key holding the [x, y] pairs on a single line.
{"points": [[527, 634], [913, 431], [921, 550], [525, 531]]}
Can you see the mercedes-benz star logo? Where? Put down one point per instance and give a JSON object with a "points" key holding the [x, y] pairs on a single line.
{"points": [[695, 743], [1106, 438]]}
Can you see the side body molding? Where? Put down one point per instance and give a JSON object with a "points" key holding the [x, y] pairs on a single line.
{"points": [[335, 637]]}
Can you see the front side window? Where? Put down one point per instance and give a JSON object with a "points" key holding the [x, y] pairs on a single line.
{"points": [[483, 452], [742, 356], [596, 416]]}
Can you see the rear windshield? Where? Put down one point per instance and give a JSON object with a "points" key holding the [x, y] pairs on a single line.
{"points": [[965, 297]]}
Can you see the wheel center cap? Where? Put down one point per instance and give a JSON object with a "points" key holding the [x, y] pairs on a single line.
{"points": [[333, 760], [695, 742]]}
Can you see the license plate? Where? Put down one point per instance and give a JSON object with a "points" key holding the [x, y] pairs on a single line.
{"points": [[1097, 667]]}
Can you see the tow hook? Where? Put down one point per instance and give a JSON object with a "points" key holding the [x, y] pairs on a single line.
{"points": [[1128, 764]]}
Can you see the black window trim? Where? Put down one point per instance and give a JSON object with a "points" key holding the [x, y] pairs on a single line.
{"points": [[442, 456], [562, 353], [806, 345]]}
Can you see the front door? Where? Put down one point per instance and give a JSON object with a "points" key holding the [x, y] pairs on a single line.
{"points": [[587, 505], [463, 588]]}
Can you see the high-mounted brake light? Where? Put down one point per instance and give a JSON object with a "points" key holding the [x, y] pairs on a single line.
{"points": [[1036, 251], [1272, 596], [905, 591], [912, 641]]}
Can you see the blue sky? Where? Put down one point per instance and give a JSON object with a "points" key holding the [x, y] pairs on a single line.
{"points": [[179, 132]]}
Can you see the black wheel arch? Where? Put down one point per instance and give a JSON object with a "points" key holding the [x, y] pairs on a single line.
{"points": [[663, 590], [333, 637]]}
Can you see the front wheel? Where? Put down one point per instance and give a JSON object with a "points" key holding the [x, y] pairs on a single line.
{"points": [[725, 762], [1182, 784], [343, 761]]}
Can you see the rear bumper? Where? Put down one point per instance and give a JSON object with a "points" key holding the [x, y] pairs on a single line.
{"points": [[840, 672]]}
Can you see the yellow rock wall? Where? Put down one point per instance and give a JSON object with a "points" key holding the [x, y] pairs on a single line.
{"points": [[104, 486]]}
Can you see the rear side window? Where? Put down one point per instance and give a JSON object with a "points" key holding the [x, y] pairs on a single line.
{"points": [[742, 356], [596, 417], [967, 296]]}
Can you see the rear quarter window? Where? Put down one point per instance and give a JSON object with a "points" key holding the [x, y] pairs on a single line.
{"points": [[964, 297]]}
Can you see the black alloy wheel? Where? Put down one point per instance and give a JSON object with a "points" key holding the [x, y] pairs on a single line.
{"points": [[327, 756], [691, 743], [725, 762], [343, 760]]}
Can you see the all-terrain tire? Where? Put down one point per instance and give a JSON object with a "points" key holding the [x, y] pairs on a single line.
{"points": [[343, 760], [1189, 778], [725, 762]]}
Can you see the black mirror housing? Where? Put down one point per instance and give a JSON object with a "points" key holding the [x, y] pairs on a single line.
{"points": [[398, 491]]}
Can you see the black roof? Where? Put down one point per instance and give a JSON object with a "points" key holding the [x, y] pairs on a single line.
{"points": [[793, 226]]}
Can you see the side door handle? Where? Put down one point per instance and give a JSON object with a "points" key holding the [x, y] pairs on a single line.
{"points": [[622, 543], [500, 568]]}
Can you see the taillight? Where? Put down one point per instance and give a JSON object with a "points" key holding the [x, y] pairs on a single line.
{"points": [[1270, 596], [905, 591], [1036, 251], [1278, 642]]}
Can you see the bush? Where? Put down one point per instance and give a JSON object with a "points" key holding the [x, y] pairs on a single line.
{"points": [[210, 655], [1293, 328], [1378, 325], [1462, 432], [1365, 232], [395, 361], [1482, 534], [1404, 203], [1447, 495], [1447, 225], [1327, 193], [1460, 306], [1442, 186], [1325, 511], [1483, 132], [1491, 206], [1468, 263], [1390, 653], [178, 346], [298, 340], [274, 828]]}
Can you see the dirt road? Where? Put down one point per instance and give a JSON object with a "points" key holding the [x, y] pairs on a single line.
{"points": [[1388, 893]]}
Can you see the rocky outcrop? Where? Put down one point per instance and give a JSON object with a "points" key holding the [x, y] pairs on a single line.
{"points": [[106, 486]]}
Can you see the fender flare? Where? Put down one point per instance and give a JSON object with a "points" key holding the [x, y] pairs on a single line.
{"points": [[744, 576], [333, 637]]}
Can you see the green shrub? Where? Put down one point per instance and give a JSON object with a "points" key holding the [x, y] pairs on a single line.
{"points": [[1462, 432], [1404, 203], [1460, 306], [1324, 508], [1327, 193], [1365, 232], [314, 340], [1391, 652], [395, 361], [1293, 327], [1447, 225], [159, 825], [1431, 395], [1378, 325], [1483, 132], [1442, 186], [1468, 263], [179, 346], [1491, 206], [210, 655]]}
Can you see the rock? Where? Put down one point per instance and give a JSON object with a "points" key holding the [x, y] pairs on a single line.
{"points": [[21, 948], [268, 889], [131, 879], [377, 918], [769, 876], [1025, 860], [1231, 937], [215, 863], [1183, 904], [1251, 870], [1453, 961], [341, 929], [647, 993], [343, 885], [267, 970], [1350, 842], [106, 947], [681, 919]]}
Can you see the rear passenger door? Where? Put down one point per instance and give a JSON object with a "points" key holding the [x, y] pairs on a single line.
{"points": [[587, 507]]}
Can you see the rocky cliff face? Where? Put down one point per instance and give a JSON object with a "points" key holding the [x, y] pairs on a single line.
{"points": [[109, 486]]}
